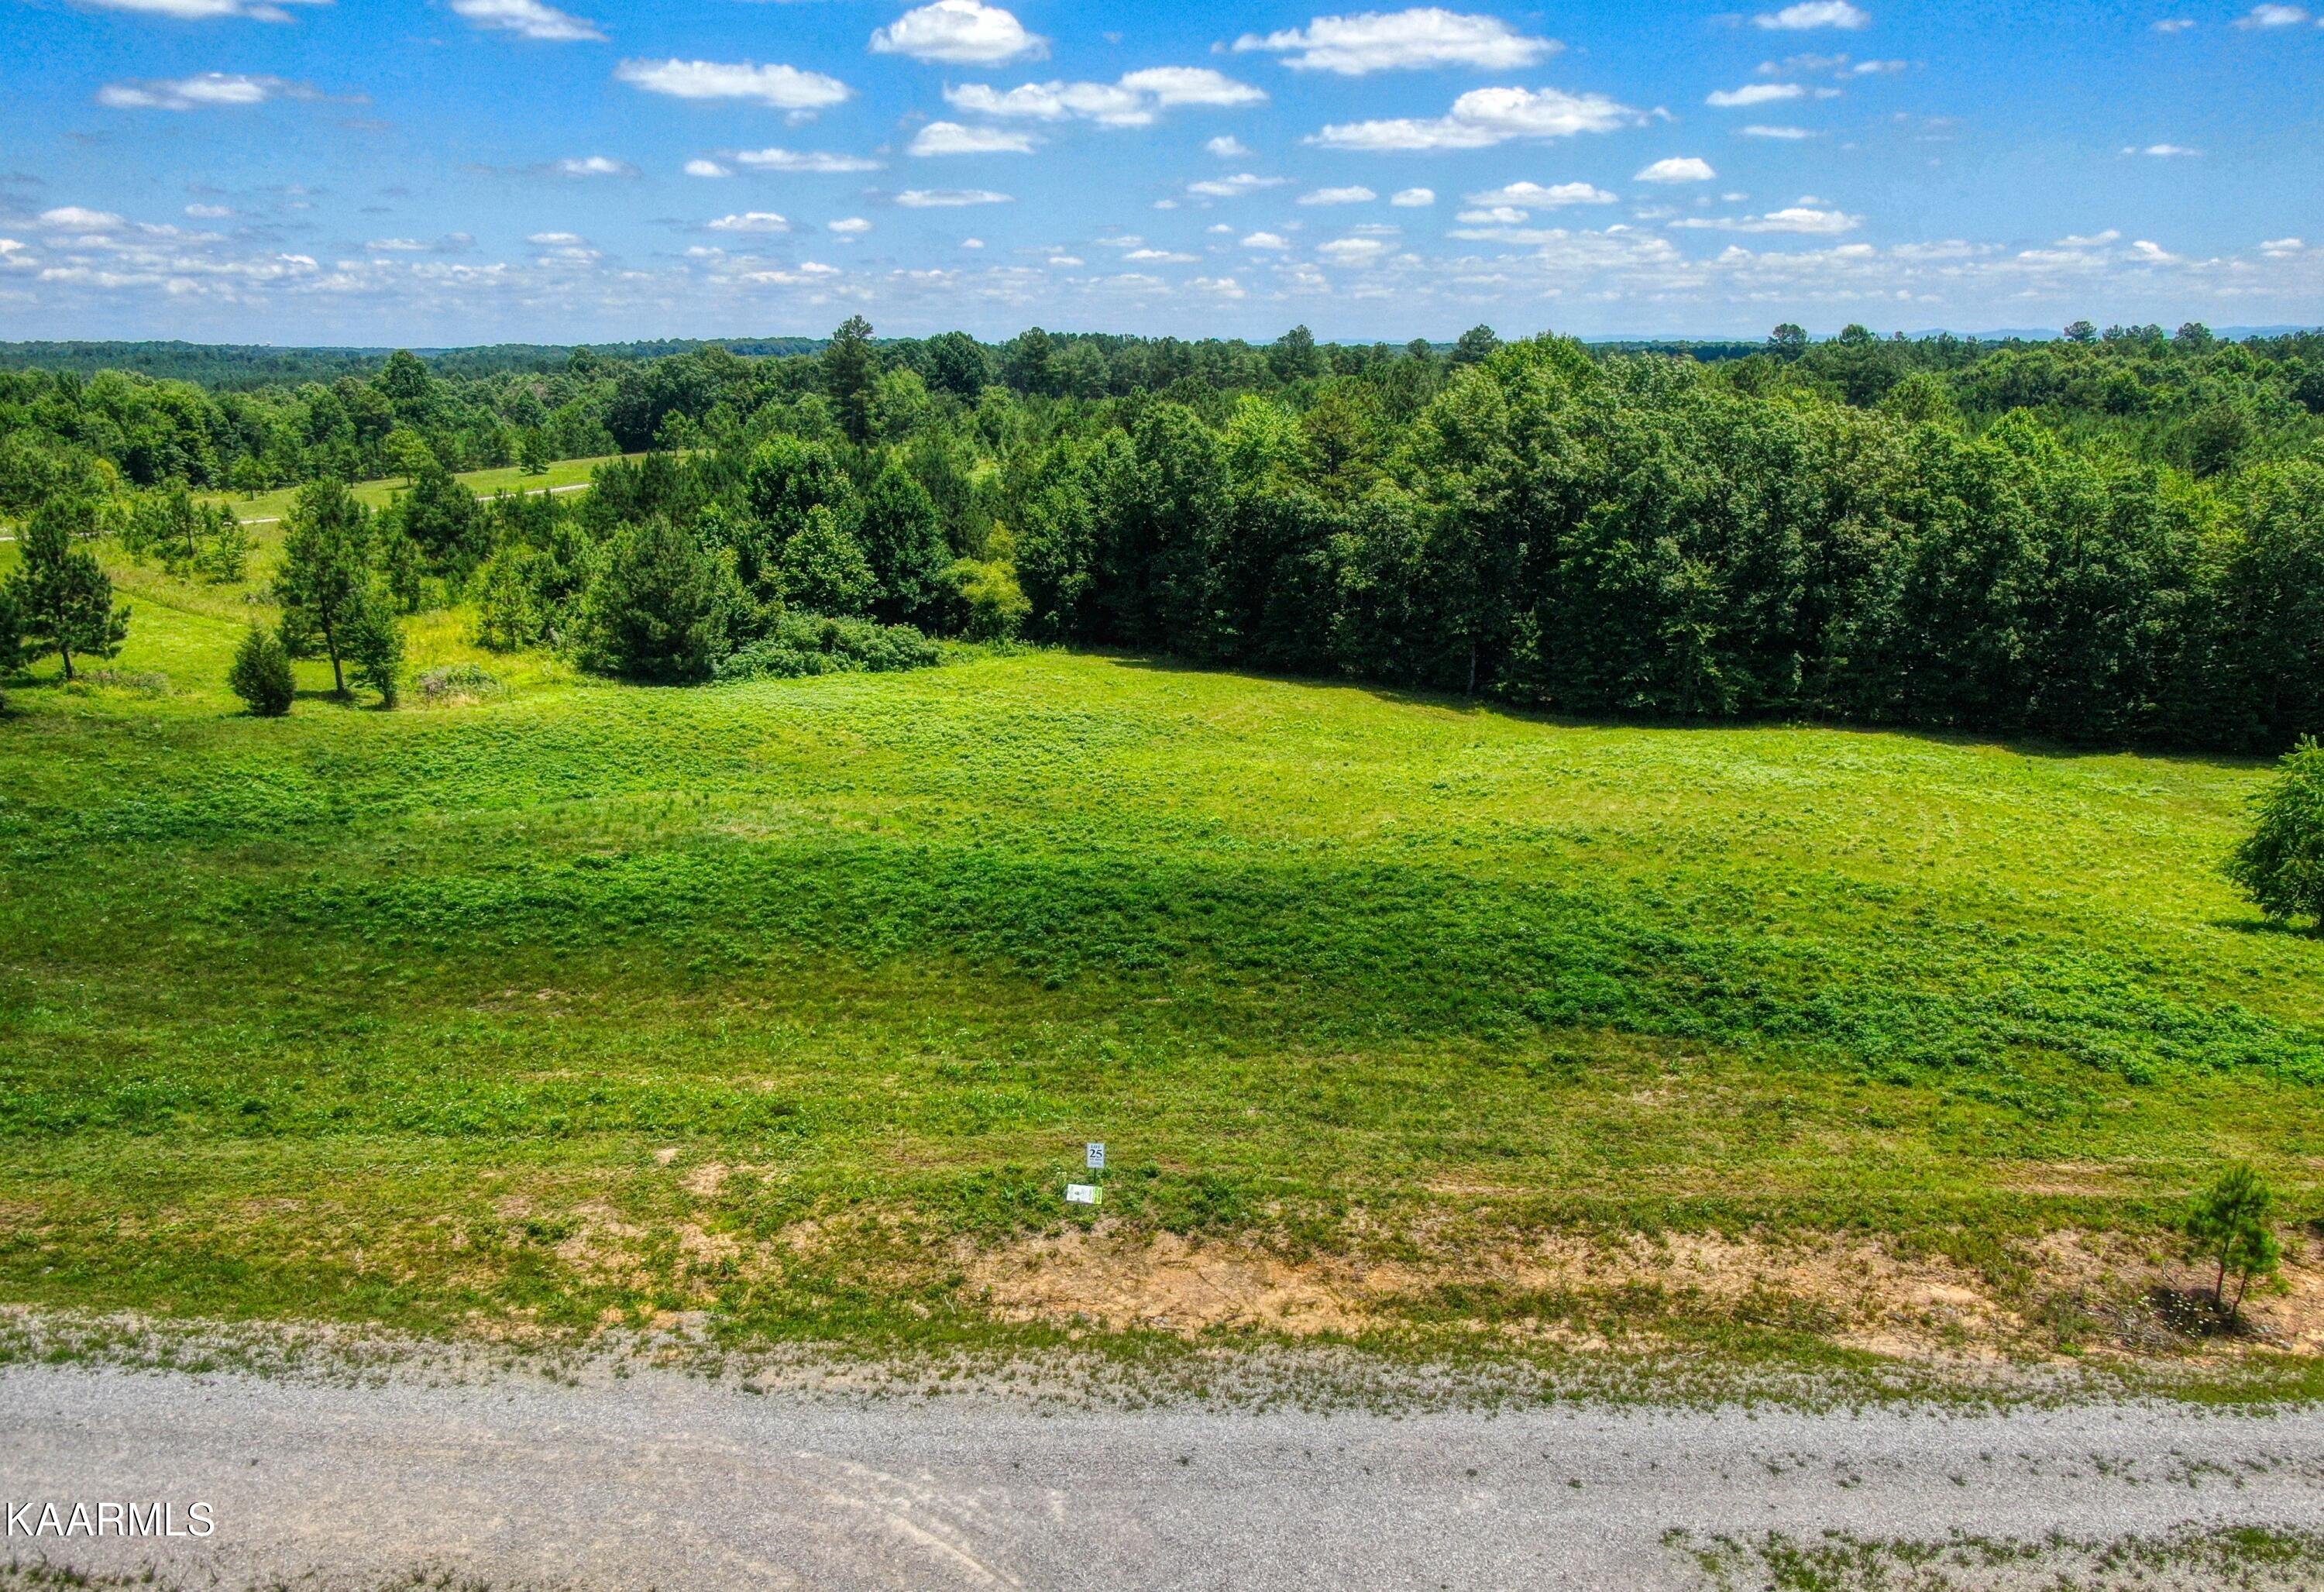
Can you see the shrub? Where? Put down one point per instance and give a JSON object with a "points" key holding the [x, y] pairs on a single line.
{"points": [[261, 675], [456, 682], [995, 602], [143, 682], [2228, 1224], [806, 644], [2280, 865]]}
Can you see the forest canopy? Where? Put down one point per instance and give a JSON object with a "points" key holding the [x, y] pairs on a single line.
{"points": [[2114, 536]]}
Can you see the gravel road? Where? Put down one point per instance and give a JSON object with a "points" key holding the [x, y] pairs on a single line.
{"points": [[659, 1480]]}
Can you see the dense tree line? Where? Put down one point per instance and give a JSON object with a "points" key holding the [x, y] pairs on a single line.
{"points": [[2114, 535], [1639, 535], [2203, 404]]}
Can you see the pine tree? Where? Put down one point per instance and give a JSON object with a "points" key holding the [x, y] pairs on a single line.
{"points": [[326, 579], [375, 646], [660, 608], [63, 600], [847, 377], [2280, 865], [12, 636], [261, 675]]}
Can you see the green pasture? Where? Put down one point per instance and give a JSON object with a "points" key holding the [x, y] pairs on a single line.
{"points": [[436, 1017], [562, 475]]}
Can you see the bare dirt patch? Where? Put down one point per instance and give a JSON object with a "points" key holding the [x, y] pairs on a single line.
{"points": [[1854, 1291]]}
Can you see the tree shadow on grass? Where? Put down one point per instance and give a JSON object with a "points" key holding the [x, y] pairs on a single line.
{"points": [[2029, 746], [2267, 925]]}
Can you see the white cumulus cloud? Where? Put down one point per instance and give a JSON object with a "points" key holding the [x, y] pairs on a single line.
{"points": [[749, 221], [1240, 183], [1534, 195], [2272, 16], [784, 88], [1227, 147], [1815, 13], [1678, 168], [1380, 42], [594, 166], [849, 227], [1412, 198], [701, 168], [76, 218], [959, 33], [1755, 93], [1761, 130], [950, 138], [1354, 195], [1801, 217], [529, 18], [1169, 86], [1266, 240], [1132, 102], [1483, 117]]}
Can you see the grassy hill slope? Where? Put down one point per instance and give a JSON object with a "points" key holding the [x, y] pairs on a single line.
{"points": [[794, 1002]]}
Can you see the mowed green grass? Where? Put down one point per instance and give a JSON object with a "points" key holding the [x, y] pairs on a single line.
{"points": [[420, 1017], [562, 475]]}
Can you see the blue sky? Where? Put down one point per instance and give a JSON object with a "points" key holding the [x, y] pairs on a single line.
{"points": [[456, 171]]}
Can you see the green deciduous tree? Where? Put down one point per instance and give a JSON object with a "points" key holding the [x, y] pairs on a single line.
{"points": [[904, 542], [261, 675], [2229, 1225], [822, 570], [407, 453], [2280, 865], [63, 600], [957, 365]]}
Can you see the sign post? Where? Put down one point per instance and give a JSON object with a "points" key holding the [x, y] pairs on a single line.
{"points": [[1088, 1193]]}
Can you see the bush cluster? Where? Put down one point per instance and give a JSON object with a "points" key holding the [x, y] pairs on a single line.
{"points": [[804, 644]]}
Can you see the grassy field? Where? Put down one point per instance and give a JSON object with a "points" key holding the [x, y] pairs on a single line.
{"points": [[793, 1003], [562, 475]]}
